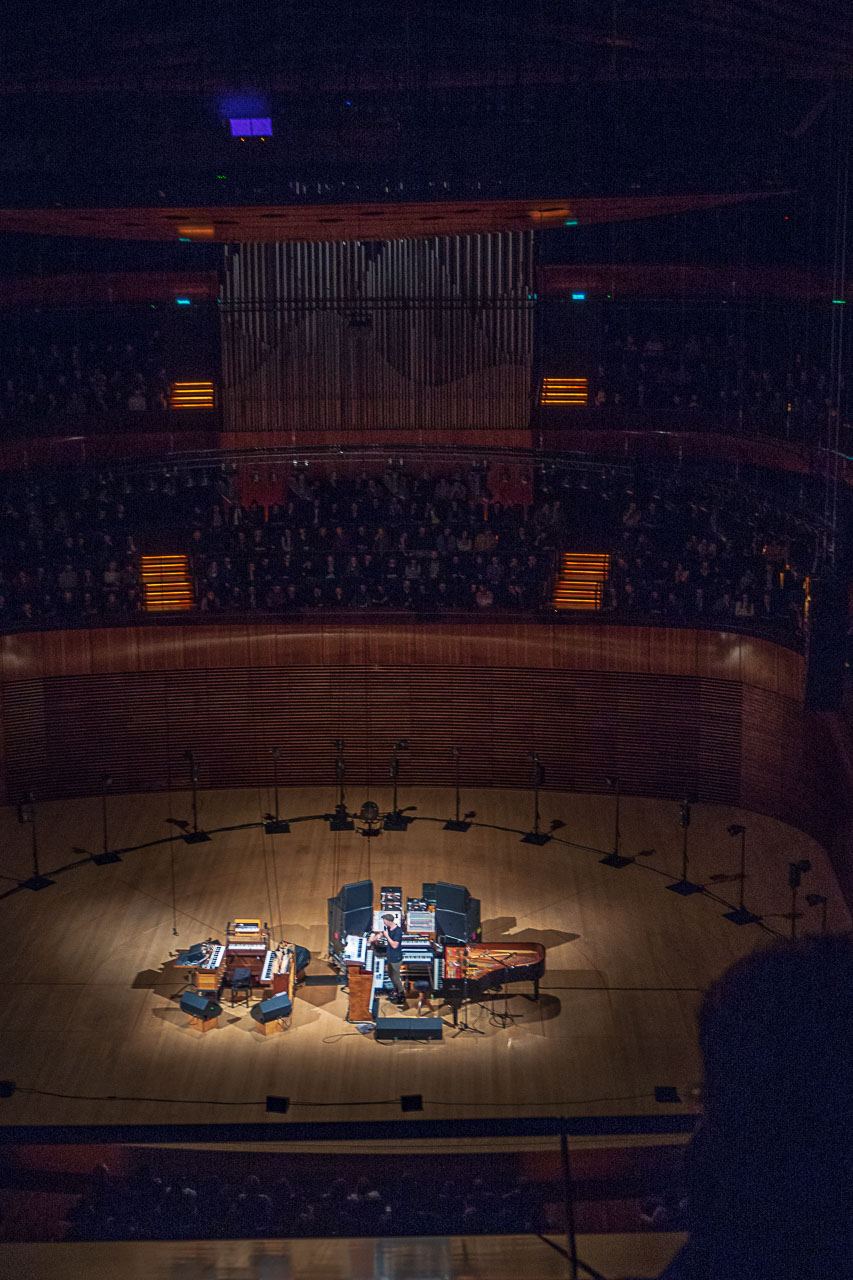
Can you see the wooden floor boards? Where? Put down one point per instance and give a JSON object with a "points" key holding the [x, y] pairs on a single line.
{"points": [[87, 1007]]}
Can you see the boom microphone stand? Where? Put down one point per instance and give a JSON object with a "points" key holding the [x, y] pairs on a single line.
{"points": [[684, 886], [107, 855], [395, 820], [340, 821], [457, 823], [505, 1017], [464, 1024], [740, 915], [536, 836], [614, 858], [195, 836], [273, 823]]}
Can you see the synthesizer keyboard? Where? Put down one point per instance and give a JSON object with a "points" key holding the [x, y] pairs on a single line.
{"points": [[214, 959]]}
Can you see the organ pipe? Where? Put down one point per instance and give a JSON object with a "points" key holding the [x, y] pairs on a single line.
{"points": [[399, 334]]}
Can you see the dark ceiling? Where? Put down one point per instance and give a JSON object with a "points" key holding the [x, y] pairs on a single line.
{"points": [[410, 45]]}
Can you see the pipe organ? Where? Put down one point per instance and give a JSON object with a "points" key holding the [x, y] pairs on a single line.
{"points": [[425, 334]]}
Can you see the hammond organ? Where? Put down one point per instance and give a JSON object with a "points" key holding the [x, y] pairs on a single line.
{"points": [[247, 946]]}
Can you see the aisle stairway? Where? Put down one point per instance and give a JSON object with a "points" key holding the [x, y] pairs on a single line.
{"points": [[166, 583], [580, 580]]}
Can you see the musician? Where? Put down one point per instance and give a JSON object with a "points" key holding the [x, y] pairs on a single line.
{"points": [[393, 935]]}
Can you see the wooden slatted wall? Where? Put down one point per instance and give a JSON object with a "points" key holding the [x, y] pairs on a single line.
{"points": [[668, 711], [662, 735]]}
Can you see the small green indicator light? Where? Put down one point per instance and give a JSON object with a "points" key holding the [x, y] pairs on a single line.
{"points": [[184, 239], [571, 222], [578, 297], [220, 177], [840, 302], [183, 302]]}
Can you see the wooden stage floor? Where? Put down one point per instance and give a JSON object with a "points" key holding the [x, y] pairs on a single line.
{"points": [[447, 1258], [90, 1025]]}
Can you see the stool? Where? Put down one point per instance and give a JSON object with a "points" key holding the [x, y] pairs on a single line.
{"points": [[241, 985], [423, 987]]}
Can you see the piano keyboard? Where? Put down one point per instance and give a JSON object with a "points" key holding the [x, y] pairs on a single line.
{"points": [[266, 971], [246, 948], [214, 959]]}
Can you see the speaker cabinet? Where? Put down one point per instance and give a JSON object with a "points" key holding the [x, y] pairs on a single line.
{"points": [[272, 1010], [200, 1006], [452, 925], [358, 895], [408, 1029], [451, 897]]}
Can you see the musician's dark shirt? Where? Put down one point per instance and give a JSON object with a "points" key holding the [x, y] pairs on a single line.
{"points": [[395, 945]]}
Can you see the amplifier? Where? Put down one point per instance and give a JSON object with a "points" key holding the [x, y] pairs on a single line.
{"points": [[408, 1029]]}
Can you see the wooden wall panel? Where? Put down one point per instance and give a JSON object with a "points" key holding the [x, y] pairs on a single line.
{"points": [[669, 711], [662, 735], [597, 646]]}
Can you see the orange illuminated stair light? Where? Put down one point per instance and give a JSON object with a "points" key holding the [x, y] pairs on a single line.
{"points": [[191, 395], [564, 391], [166, 583], [580, 581]]}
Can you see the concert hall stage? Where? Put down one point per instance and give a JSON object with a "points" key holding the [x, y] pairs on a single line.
{"points": [[90, 1024]]}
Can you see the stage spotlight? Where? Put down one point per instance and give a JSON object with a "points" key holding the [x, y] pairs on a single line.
{"points": [[666, 1093]]}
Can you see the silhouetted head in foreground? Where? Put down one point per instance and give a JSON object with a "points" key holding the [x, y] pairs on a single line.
{"points": [[772, 1163]]}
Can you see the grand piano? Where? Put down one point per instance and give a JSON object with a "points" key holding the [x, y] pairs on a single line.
{"points": [[467, 973]]}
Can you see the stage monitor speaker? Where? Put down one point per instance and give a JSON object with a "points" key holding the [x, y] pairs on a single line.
{"points": [[428, 892], [451, 897], [474, 918], [408, 1029], [358, 895], [453, 925], [273, 1009], [358, 921], [199, 1005], [337, 933]]}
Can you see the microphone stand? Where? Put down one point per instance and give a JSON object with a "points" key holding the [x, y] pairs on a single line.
{"points": [[457, 823], [506, 1016], [464, 1024]]}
